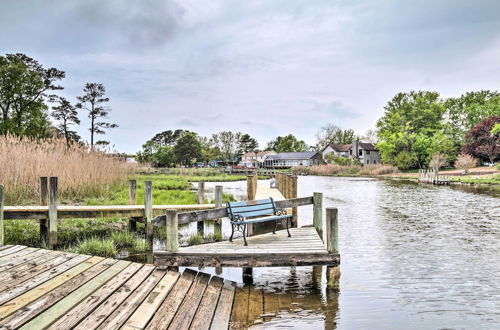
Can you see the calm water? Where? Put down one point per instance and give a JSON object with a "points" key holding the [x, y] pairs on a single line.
{"points": [[412, 257]]}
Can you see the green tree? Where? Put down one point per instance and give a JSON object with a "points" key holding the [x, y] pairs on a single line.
{"points": [[93, 100], [66, 115], [167, 138], [248, 144], [287, 143], [187, 149], [209, 150], [228, 143], [409, 118], [466, 111], [24, 84]]}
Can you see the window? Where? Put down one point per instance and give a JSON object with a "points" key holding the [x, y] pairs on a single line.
{"points": [[361, 152], [367, 161], [367, 152]]}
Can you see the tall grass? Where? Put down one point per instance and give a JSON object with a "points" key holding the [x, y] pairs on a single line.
{"points": [[342, 170], [81, 172]]}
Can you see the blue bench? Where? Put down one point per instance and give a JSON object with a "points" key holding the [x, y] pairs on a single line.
{"points": [[243, 213]]}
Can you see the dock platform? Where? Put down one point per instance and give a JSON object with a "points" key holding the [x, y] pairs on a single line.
{"points": [[43, 289]]}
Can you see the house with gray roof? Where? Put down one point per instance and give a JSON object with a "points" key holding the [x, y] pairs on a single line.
{"points": [[290, 159], [365, 152]]}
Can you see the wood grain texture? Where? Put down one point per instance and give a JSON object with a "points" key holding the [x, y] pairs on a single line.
{"points": [[222, 314], [206, 309]]}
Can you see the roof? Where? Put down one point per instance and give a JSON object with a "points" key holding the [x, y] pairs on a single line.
{"points": [[367, 146], [340, 147], [249, 154], [263, 153], [293, 155]]}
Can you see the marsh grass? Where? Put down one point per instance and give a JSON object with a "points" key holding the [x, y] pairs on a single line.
{"points": [[141, 245], [95, 246], [123, 239], [195, 239], [342, 170]]}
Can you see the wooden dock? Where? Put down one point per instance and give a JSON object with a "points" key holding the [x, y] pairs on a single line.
{"points": [[44, 289]]}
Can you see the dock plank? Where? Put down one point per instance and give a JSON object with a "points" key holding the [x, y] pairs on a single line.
{"points": [[165, 314], [11, 249], [140, 318], [239, 315], [255, 306], [86, 306], [205, 313], [16, 268], [224, 306], [67, 303], [94, 319], [17, 262], [187, 310], [26, 307]]}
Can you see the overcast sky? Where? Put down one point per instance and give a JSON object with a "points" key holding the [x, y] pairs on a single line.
{"points": [[267, 68]]}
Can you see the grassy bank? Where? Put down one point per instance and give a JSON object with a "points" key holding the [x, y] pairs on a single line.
{"points": [[107, 236], [344, 170], [472, 179]]}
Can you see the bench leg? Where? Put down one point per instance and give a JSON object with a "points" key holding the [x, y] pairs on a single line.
{"points": [[275, 226], [232, 233], [245, 234], [288, 231]]}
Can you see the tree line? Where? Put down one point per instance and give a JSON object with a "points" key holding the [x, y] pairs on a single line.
{"points": [[29, 99]]}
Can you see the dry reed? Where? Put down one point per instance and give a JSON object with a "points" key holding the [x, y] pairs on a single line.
{"points": [[342, 170], [82, 173]]}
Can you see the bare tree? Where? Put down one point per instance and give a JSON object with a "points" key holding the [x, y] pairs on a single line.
{"points": [[93, 101], [465, 162], [438, 160]]}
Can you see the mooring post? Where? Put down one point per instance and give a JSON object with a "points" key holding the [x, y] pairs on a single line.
{"points": [[332, 230], [333, 277], [293, 194], [218, 204], [52, 241], [251, 187], [172, 228], [44, 200], [148, 208], [318, 213], [201, 200], [2, 199], [132, 200]]}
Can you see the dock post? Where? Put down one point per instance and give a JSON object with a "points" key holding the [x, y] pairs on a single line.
{"points": [[44, 200], [247, 275], [332, 230], [148, 208], [52, 241], [318, 213], [201, 200], [2, 199], [172, 228], [218, 204], [293, 194], [251, 191], [132, 200]]}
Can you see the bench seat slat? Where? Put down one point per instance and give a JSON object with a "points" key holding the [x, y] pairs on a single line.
{"points": [[255, 213], [245, 203], [238, 210], [270, 218]]}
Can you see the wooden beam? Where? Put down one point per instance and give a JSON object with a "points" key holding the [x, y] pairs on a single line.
{"points": [[293, 194], [132, 200], [201, 192], [172, 231], [148, 208], [318, 213], [218, 204], [52, 241], [332, 230]]}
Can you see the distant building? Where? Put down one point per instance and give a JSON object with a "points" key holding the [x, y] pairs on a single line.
{"points": [[290, 159], [255, 159], [365, 152]]}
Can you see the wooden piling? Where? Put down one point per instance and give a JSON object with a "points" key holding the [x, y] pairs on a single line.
{"points": [[52, 239], [172, 225], [218, 204], [132, 200], [332, 233], [251, 187], [44, 200], [148, 208], [2, 200], [318, 213], [200, 225], [333, 277]]}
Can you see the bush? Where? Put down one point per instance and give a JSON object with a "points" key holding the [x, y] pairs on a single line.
{"points": [[464, 162], [141, 245], [96, 247], [122, 239]]}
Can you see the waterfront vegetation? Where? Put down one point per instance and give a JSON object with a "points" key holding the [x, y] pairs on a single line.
{"points": [[345, 170]]}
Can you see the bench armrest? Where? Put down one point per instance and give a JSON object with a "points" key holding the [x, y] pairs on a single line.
{"points": [[237, 218], [280, 212]]}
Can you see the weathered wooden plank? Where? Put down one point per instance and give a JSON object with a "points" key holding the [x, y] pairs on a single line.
{"points": [[222, 313], [172, 228], [32, 295], [52, 222], [67, 303], [148, 208], [164, 315], [86, 306], [187, 310], [318, 213], [2, 204], [271, 306], [27, 307], [13, 268], [332, 230], [25, 254], [12, 249], [140, 318], [284, 301], [247, 260], [3, 247], [125, 309], [239, 315], [40, 267], [16, 291], [206, 309], [94, 319]]}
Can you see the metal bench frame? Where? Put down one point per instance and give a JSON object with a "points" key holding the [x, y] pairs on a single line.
{"points": [[243, 213]]}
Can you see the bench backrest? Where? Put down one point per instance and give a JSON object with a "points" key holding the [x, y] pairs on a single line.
{"points": [[251, 208]]}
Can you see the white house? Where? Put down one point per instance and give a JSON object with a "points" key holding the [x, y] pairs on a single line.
{"points": [[255, 159], [290, 159]]}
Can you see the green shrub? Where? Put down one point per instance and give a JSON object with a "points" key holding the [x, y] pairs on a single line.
{"points": [[195, 239], [141, 245], [96, 247], [122, 239]]}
